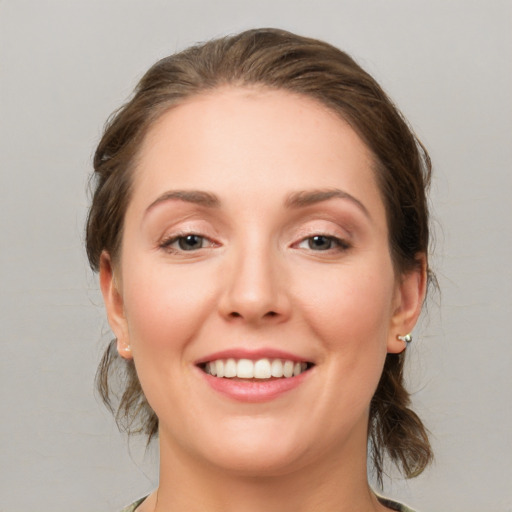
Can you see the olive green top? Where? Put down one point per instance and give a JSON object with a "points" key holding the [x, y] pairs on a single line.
{"points": [[393, 505]]}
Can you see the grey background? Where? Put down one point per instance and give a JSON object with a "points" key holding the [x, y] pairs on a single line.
{"points": [[65, 65]]}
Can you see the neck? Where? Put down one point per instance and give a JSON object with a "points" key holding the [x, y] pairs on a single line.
{"points": [[338, 483]]}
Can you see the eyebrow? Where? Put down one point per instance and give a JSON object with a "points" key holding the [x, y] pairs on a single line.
{"points": [[310, 197], [299, 199], [190, 196]]}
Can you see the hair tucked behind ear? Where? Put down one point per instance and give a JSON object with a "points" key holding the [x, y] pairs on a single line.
{"points": [[279, 60], [129, 406], [394, 427]]}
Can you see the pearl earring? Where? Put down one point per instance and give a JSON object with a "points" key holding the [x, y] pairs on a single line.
{"points": [[407, 338]]}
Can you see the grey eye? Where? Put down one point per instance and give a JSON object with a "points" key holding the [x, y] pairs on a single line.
{"points": [[320, 243], [190, 242]]}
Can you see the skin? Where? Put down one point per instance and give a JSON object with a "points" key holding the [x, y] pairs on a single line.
{"points": [[256, 281]]}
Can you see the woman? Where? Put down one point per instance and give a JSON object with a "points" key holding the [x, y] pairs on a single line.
{"points": [[260, 228]]}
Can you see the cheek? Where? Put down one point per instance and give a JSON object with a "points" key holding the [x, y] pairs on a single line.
{"points": [[350, 305], [165, 311], [350, 312], [164, 308]]}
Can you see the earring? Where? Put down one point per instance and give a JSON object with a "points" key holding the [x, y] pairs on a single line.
{"points": [[124, 351], [407, 338]]}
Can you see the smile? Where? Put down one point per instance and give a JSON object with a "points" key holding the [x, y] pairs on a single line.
{"points": [[264, 368]]}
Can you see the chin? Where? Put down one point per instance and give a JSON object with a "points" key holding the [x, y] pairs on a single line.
{"points": [[257, 463], [258, 450]]}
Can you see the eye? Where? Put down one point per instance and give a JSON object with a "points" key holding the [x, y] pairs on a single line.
{"points": [[323, 243], [188, 242]]}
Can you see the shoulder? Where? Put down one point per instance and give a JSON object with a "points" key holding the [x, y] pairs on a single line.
{"points": [[133, 506]]}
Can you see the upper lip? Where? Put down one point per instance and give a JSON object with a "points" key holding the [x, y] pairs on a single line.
{"points": [[254, 355]]}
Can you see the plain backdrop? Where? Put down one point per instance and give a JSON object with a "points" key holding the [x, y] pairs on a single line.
{"points": [[66, 65]]}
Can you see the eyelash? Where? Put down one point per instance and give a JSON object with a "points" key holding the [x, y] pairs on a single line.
{"points": [[167, 243], [335, 243]]}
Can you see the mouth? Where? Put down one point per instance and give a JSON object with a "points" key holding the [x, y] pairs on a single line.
{"points": [[259, 369]]}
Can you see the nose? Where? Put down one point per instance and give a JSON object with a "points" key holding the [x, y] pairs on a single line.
{"points": [[255, 288]]}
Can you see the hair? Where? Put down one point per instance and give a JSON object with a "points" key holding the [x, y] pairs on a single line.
{"points": [[274, 59]]}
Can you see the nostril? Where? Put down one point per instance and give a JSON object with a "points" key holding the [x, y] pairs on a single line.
{"points": [[269, 314]]}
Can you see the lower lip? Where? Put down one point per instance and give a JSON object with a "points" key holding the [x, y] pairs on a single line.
{"points": [[254, 390]]}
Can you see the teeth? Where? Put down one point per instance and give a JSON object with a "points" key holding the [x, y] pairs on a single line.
{"points": [[230, 368], [219, 368], [211, 368], [245, 369], [288, 369], [260, 369], [276, 368]]}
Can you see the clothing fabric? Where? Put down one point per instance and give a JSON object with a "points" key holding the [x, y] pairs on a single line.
{"points": [[393, 505], [133, 506]]}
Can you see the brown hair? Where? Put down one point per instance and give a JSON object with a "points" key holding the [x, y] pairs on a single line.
{"points": [[275, 59]]}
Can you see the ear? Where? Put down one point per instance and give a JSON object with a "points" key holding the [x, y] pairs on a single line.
{"points": [[409, 296], [113, 299]]}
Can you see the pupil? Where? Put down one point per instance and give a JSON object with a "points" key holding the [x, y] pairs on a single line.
{"points": [[190, 242], [320, 242]]}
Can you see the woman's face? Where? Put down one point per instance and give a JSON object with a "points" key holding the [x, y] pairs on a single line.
{"points": [[256, 244]]}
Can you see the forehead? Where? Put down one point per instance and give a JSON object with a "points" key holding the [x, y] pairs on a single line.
{"points": [[256, 141]]}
